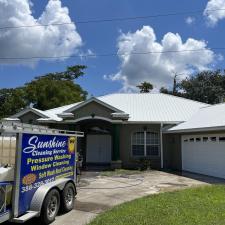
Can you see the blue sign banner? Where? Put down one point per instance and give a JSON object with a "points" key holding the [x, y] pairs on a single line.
{"points": [[44, 159]]}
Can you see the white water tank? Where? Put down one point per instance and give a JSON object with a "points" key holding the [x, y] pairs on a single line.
{"points": [[6, 174]]}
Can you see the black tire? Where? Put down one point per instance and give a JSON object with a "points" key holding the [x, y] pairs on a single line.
{"points": [[50, 207], [68, 198]]}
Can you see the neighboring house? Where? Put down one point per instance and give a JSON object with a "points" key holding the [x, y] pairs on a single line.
{"points": [[122, 127], [203, 141]]}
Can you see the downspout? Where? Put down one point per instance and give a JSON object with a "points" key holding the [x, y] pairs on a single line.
{"points": [[161, 145]]}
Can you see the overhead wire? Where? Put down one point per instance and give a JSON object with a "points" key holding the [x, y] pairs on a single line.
{"points": [[110, 54], [118, 19]]}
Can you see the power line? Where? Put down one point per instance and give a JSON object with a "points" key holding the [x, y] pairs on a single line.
{"points": [[113, 19], [109, 54]]}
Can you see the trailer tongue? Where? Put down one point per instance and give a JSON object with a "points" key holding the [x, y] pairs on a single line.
{"points": [[37, 172]]}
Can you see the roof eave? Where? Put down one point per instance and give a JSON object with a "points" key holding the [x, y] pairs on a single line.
{"points": [[154, 122], [194, 130], [26, 110]]}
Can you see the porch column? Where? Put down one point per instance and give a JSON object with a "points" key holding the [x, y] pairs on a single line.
{"points": [[116, 142], [161, 146]]}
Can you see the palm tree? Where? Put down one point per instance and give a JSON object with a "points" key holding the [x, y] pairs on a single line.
{"points": [[145, 87]]}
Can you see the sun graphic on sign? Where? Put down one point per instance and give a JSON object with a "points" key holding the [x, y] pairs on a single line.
{"points": [[71, 145]]}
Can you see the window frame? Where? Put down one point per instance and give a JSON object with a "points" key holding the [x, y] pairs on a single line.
{"points": [[137, 156], [146, 144]]}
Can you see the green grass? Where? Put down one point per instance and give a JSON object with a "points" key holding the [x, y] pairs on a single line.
{"points": [[204, 205], [119, 172]]}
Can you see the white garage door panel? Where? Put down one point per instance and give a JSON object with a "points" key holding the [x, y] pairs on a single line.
{"points": [[204, 157]]}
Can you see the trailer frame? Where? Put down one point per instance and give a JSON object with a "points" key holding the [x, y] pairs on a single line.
{"points": [[40, 194]]}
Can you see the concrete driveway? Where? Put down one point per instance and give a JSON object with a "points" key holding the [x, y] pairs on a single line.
{"points": [[97, 194]]}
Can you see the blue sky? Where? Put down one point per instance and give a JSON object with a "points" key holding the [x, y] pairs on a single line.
{"points": [[102, 38]]}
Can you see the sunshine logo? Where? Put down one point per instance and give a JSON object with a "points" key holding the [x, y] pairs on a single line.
{"points": [[71, 144]]}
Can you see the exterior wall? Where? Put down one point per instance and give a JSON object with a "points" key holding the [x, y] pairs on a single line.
{"points": [[172, 151], [126, 132], [29, 117], [92, 108]]}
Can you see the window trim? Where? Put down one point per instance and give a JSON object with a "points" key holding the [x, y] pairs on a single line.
{"points": [[145, 144]]}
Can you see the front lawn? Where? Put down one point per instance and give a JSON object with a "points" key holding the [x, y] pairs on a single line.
{"points": [[195, 206]]}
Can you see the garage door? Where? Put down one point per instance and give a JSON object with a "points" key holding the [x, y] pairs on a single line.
{"points": [[99, 149], [204, 154]]}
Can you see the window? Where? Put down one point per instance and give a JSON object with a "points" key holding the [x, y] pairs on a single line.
{"points": [[205, 139], [191, 139], [213, 139], [138, 144], [198, 139], [145, 143], [222, 139]]}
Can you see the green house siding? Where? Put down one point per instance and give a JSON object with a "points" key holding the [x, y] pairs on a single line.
{"points": [[172, 151], [29, 117], [92, 109]]}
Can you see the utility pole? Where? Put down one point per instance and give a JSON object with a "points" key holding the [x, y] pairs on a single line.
{"points": [[175, 83]]}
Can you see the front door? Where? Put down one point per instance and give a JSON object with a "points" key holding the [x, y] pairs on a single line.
{"points": [[99, 148]]}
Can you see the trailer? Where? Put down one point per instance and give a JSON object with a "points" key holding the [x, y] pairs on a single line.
{"points": [[37, 172]]}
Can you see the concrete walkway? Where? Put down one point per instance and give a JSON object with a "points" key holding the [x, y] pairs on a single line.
{"points": [[97, 194]]}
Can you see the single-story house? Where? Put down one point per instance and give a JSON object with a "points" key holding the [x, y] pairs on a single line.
{"points": [[123, 128]]}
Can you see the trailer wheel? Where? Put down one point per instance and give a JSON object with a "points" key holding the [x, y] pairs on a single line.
{"points": [[50, 207], [68, 196]]}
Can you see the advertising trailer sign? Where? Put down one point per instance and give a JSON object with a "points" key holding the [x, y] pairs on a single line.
{"points": [[44, 159]]}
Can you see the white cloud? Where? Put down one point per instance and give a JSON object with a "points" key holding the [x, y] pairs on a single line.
{"points": [[158, 68], [190, 20], [36, 41], [214, 11]]}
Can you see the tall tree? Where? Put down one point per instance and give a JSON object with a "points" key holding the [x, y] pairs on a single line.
{"points": [[12, 100], [44, 92], [145, 87], [205, 86], [56, 89]]}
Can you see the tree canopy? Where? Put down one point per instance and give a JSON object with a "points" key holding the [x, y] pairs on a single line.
{"points": [[145, 87], [44, 92], [12, 100], [205, 86]]}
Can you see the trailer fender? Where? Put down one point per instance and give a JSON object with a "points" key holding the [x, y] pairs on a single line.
{"points": [[40, 194]]}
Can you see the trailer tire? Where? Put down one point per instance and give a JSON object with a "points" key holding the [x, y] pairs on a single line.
{"points": [[68, 198], [50, 207]]}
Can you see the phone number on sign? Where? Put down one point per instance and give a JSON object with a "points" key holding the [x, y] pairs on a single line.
{"points": [[36, 185]]}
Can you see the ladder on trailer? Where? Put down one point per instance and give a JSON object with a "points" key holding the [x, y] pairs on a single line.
{"points": [[17, 127], [9, 130]]}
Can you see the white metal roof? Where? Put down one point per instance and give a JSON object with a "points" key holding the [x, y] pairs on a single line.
{"points": [[207, 118], [52, 114], [153, 107], [147, 107]]}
